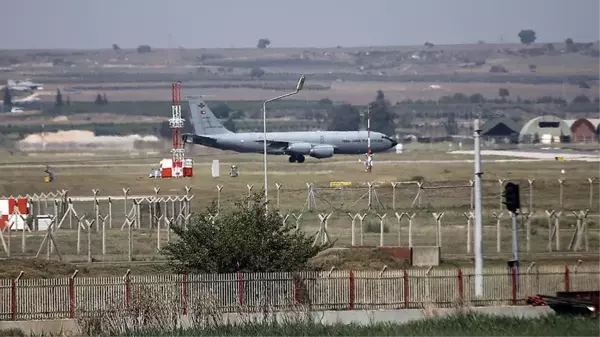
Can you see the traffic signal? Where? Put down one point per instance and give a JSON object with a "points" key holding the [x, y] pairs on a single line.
{"points": [[511, 197]]}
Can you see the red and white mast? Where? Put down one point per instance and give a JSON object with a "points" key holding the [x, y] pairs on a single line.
{"points": [[176, 124], [369, 129]]}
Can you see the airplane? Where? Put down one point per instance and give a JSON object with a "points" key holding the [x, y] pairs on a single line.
{"points": [[208, 131]]}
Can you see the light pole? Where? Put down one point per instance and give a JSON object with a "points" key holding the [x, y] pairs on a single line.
{"points": [[298, 88]]}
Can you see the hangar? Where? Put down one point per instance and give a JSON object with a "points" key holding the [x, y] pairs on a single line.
{"points": [[500, 128], [545, 129], [584, 129]]}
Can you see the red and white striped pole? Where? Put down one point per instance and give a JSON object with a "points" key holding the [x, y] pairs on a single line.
{"points": [[369, 129]]}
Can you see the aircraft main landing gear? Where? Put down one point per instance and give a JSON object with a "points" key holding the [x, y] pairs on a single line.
{"points": [[296, 158]]}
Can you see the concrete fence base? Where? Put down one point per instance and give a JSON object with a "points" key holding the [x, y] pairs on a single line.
{"points": [[69, 327]]}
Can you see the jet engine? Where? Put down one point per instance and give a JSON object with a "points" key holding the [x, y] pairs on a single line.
{"points": [[322, 151], [299, 148]]}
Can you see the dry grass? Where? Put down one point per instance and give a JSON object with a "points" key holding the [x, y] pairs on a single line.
{"points": [[85, 118], [353, 92], [110, 178]]}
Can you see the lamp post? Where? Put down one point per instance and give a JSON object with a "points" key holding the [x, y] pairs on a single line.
{"points": [[298, 88]]}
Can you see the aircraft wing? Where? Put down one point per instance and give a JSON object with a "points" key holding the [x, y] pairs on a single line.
{"points": [[276, 144], [284, 145]]}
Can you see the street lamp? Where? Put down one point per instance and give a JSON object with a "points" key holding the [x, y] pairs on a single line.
{"points": [[298, 88]]}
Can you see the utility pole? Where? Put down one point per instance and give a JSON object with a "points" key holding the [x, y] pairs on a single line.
{"points": [[478, 223]]}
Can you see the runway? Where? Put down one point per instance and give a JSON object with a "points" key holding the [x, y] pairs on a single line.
{"points": [[521, 156]]}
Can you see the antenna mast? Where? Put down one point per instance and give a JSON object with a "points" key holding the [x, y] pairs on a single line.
{"points": [[176, 124]]}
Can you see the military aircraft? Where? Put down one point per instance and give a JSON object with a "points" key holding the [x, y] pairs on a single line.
{"points": [[317, 144]]}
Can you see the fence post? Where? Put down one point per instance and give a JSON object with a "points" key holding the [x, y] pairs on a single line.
{"points": [[127, 282], [460, 283], [405, 288], [13, 300], [567, 279], [296, 289], [241, 287], [184, 293], [351, 290], [13, 297], [514, 284], [72, 294]]}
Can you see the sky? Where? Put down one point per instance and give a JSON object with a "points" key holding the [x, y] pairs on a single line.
{"points": [[86, 24]]}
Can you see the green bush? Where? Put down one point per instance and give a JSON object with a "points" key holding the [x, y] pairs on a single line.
{"points": [[242, 239]]}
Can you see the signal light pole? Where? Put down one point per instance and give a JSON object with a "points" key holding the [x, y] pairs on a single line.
{"points": [[478, 220], [512, 201]]}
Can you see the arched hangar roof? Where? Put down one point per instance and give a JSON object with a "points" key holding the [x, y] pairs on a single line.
{"points": [[541, 125], [592, 123], [501, 126]]}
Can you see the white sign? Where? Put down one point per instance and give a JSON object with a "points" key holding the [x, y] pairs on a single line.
{"points": [[215, 168]]}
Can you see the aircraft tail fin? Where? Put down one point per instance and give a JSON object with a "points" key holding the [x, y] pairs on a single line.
{"points": [[203, 119]]}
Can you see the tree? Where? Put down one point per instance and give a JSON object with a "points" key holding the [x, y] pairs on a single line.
{"points": [[382, 116], [527, 36], [583, 85], [569, 44], [263, 43], [477, 98], [344, 118], [104, 99], [144, 49], [59, 100], [229, 124], [245, 239], [116, 47], [99, 100], [503, 92], [257, 72], [222, 110], [7, 96], [451, 125], [581, 99]]}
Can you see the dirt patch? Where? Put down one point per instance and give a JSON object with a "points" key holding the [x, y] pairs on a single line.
{"points": [[39, 268], [357, 259]]}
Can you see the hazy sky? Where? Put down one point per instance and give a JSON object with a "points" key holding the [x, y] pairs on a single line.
{"points": [[289, 23]]}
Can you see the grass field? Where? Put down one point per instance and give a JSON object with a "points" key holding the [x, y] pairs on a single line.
{"points": [[79, 175], [352, 92]]}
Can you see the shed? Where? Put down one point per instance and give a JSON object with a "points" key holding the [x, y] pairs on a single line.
{"points": [[501, 126], [583, 129], [545, 129]]}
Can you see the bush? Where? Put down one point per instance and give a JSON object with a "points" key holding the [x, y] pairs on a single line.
{"points": [[244, 239]]}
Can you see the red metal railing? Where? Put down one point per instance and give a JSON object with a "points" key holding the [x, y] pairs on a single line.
{"points": [[23, 298]]}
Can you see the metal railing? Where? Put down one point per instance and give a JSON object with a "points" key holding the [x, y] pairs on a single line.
{"points": [[70, 297]]}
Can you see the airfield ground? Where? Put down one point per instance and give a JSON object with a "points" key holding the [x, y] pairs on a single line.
{"points": [[111, 173]]}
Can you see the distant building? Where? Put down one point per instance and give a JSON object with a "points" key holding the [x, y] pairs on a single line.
{"points": [[545, 129], [584, 130], [501, 129]]}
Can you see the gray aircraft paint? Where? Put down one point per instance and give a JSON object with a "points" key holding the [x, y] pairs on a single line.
{"points": [[319, 144]]}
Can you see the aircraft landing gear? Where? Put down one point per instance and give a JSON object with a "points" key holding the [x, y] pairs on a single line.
{"points": [[296, 158]]}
